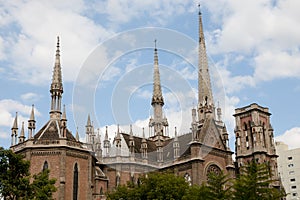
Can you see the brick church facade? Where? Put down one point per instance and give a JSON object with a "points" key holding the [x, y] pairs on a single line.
{"points": [[86, 170]]}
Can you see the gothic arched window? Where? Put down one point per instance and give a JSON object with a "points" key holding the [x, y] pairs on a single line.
{"points": [[75, 182], [45, 166], [101, 191]]}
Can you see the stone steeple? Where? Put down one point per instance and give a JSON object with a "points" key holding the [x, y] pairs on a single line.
{"points": [[56, 88], [205, 97], [158, 122]]}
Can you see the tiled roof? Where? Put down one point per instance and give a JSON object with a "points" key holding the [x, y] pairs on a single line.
{"points": [[52, 131]]}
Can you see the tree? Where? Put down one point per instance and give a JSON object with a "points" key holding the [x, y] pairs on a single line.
{"points": [[218, 186], [42, 187], [255, 183], [153, 186], [15, 179], [196, 192], [14, 176]]}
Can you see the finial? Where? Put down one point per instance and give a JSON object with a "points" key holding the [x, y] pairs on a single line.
{"points": [[57, 42], [131, 133], [15, 125], [22, 130], [155, 44], [175, 131], [64, 115], [199, 9], [77, 134]]}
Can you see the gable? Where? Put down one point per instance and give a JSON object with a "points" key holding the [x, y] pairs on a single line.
{"points": [[210, 135]]}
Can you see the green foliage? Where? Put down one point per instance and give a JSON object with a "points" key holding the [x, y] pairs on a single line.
{"points": [[196, 192], [15, 179], [14, 176], [254, 183], [158, 186], [42, 187], [218, 186]]}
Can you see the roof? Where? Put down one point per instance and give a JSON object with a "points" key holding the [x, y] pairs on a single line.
{"points": [[52, 131]]}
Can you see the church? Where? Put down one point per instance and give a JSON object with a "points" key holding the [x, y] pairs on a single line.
{"points": [[88, 169]]}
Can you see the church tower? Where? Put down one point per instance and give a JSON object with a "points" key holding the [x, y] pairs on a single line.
{"points": [[254, 137], [158, 124]]}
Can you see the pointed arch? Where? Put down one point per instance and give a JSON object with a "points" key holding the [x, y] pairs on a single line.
{"points": [[75, 182], [45, 166]]}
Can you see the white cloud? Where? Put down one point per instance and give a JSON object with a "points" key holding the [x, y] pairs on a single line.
{"points": [[9, 107], [267, 29], [124, 11], [4, 135], [30, 97], [32, 50], [291, 137]]}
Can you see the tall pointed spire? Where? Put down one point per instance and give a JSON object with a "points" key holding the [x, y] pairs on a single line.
{"points": [[56, 88], [157, 97], [204, 85], [158, 122]]}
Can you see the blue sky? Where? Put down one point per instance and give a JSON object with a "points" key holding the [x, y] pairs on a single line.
{"points": [[107, 57]]}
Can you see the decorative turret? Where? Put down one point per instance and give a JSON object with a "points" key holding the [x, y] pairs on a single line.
{"points": [[118, 141], [158, 124], [176, 145], [144, 146], [88, 130], [63, 123], [106, 143], [205, 97], [98, 146], [22, 134], [56, 88], [31, 124], [131, 142], [14, 131]]}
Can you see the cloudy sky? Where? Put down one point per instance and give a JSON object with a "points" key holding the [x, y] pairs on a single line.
{"points": [[107, 58]]}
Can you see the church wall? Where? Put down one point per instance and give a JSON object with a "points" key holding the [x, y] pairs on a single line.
{"points": [[84, 189]]}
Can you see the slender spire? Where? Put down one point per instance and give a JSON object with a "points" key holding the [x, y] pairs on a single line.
{"points": [[15, 124], [22, 134], [157, 97], [158, 122], [56, 88], [32, 118], [88, 123], [204, 85]]}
